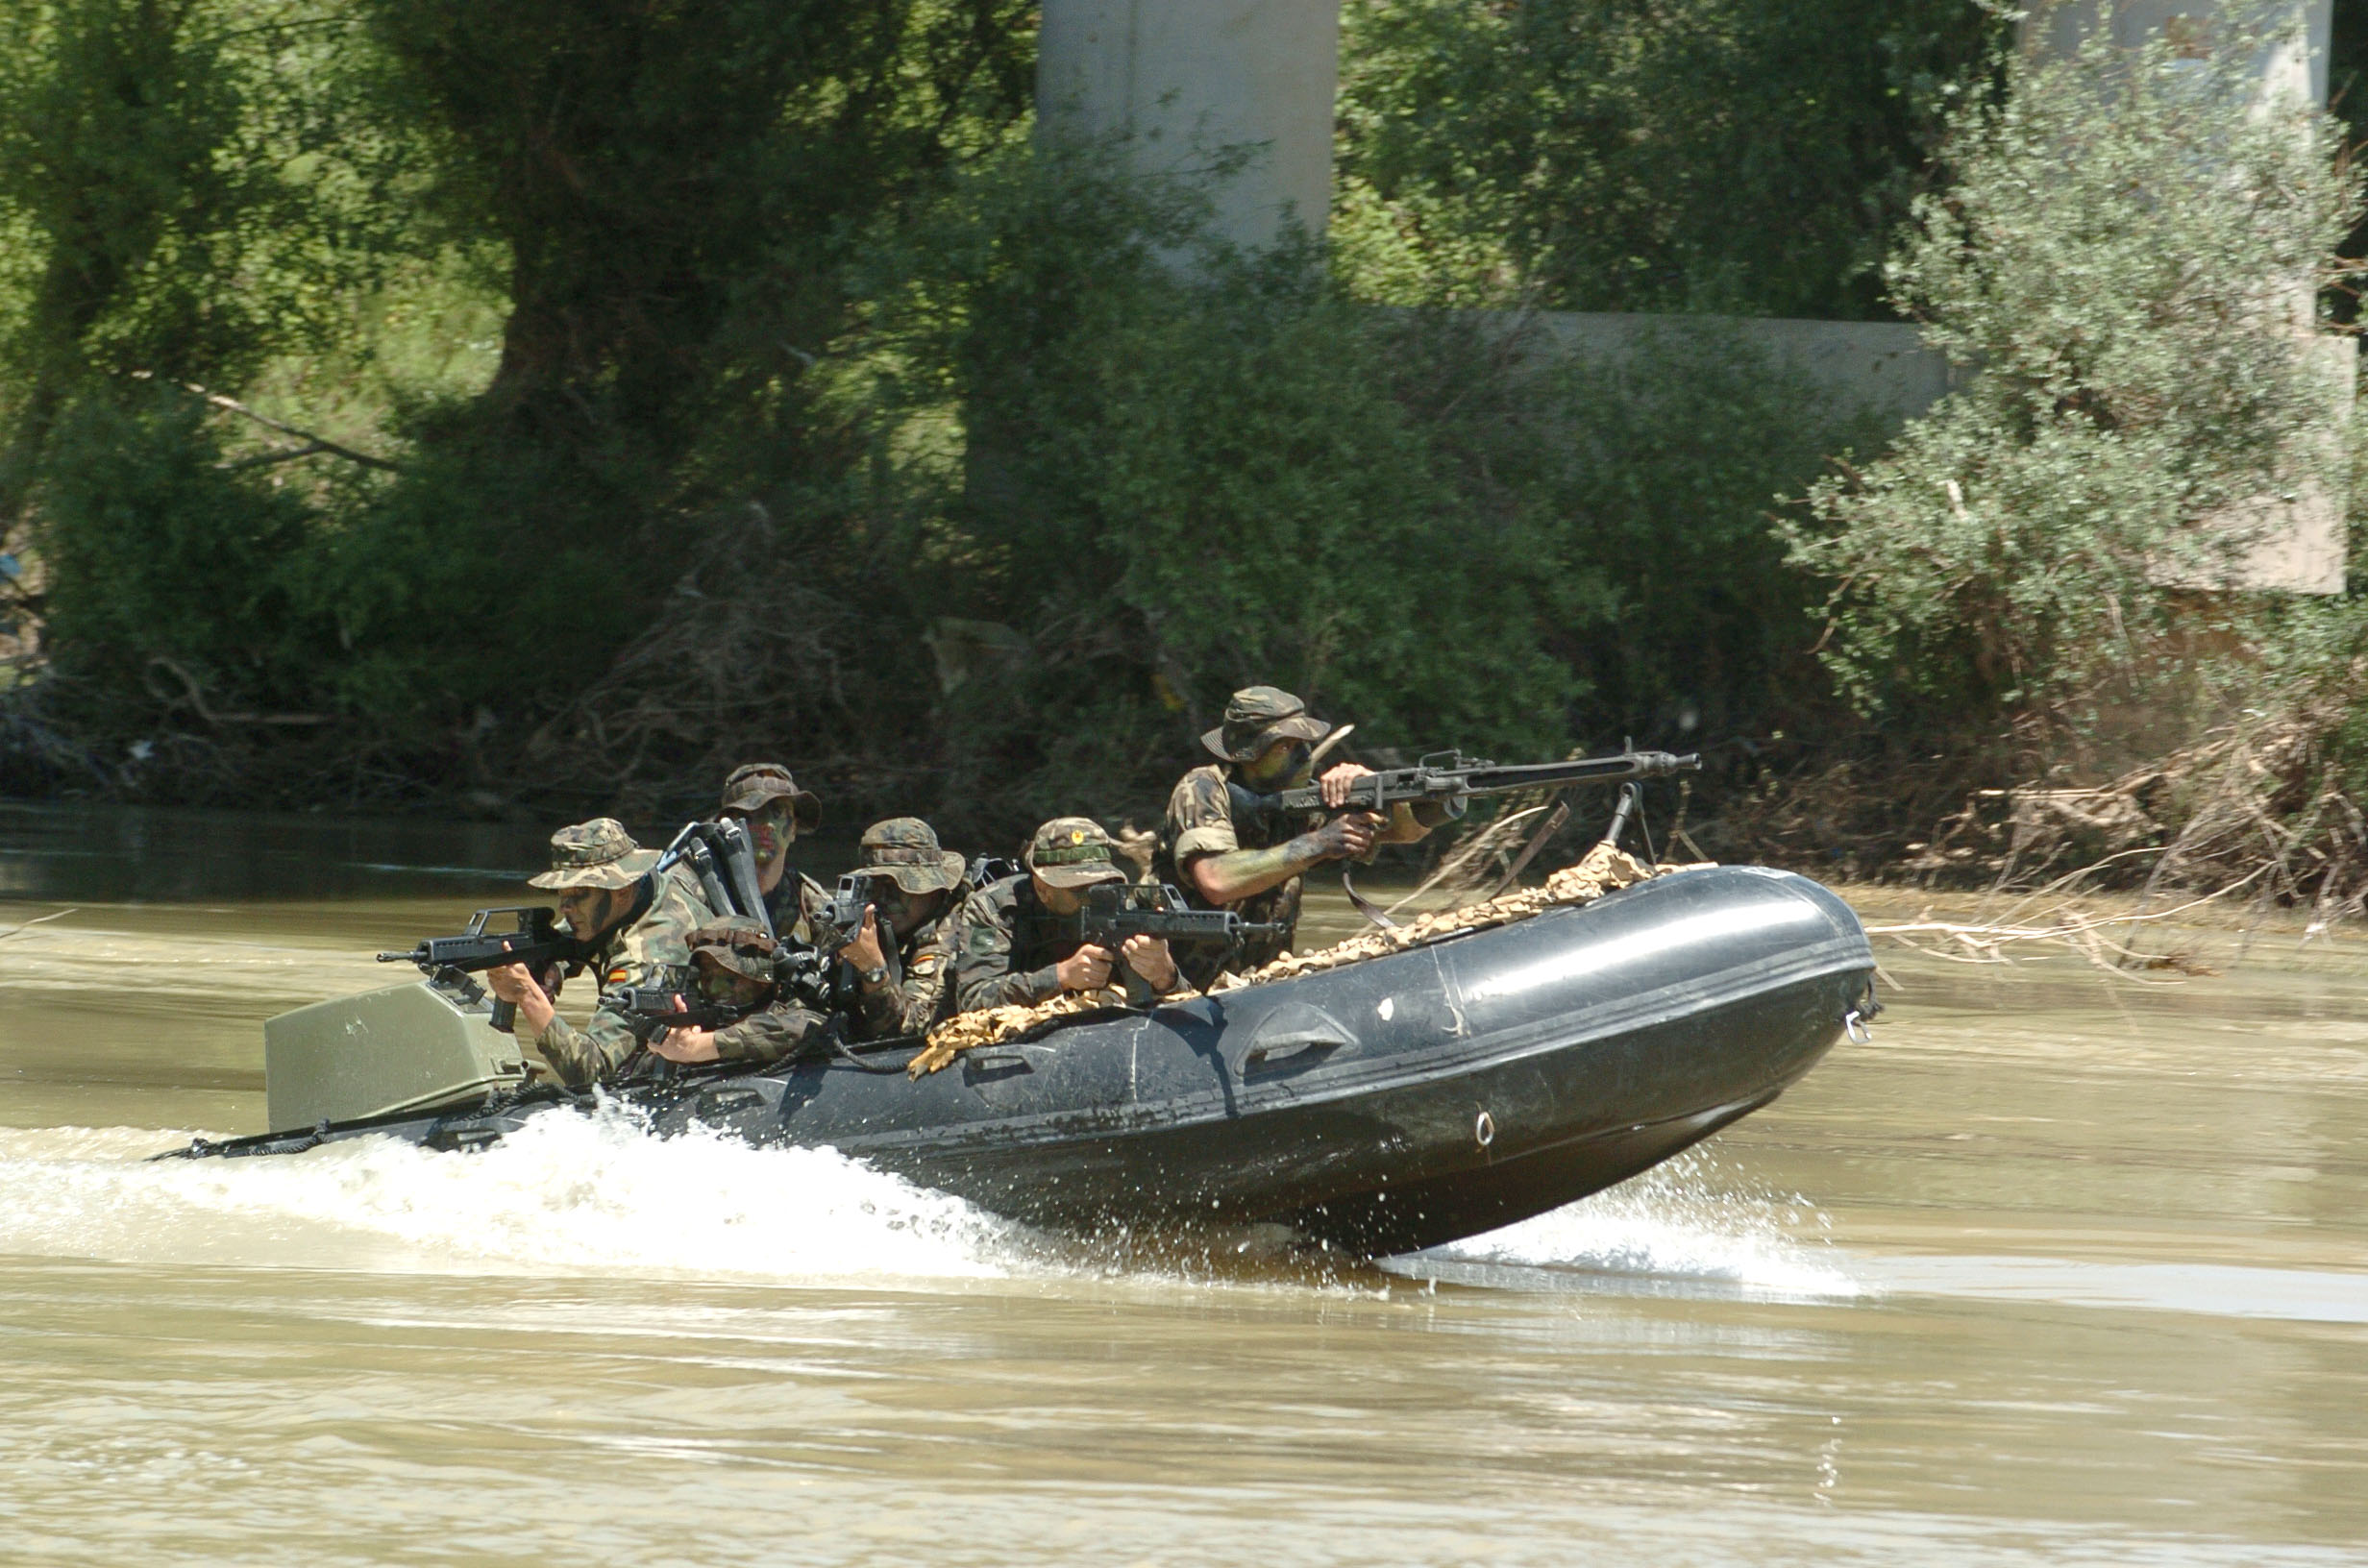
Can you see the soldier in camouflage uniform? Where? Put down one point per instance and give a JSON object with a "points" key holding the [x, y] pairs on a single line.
{"points": [[926, 891], [732, 962], [1256, 866], [1009, 949], [636, 922], [767, 801]]}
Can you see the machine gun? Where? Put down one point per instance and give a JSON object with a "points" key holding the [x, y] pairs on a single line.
{"points": [[1115, 910], [536, 943], [1451, 780], [718, 855]]}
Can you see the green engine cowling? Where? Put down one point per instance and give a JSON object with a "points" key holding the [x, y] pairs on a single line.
{"points": [[415, 1047]]}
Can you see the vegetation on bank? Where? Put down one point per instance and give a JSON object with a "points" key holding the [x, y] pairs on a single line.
{"points": [[414, 402]]}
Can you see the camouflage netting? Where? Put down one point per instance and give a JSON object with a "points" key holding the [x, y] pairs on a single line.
{"points": [[1602, 870]]}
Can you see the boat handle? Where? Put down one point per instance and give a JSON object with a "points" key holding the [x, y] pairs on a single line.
{"points": [[1301, 1047], [1854, 1025]]}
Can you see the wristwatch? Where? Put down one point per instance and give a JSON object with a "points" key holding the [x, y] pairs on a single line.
{"points": [[875, 976]]}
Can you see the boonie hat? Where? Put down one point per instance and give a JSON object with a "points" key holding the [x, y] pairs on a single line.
{"points": [[905, 849], [738, 943], [595, 854], [1072, 852], [1256, 716], [754, 786]]}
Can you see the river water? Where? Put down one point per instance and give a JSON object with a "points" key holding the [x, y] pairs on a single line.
{"points": [[2057, 1269]]}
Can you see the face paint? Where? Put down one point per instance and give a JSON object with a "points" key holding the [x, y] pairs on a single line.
{"points": [[770, 832], [585, 910], [1279, 766], [717, 984]]}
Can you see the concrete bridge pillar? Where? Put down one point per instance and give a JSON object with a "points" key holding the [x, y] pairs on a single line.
{"points": [[1188, 82]]}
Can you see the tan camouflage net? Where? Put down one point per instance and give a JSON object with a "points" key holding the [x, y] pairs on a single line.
{"points": [[1602, 870]]}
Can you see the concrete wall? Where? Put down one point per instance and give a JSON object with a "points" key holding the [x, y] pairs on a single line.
{"points": [[2296, 67], [1185, 83]]}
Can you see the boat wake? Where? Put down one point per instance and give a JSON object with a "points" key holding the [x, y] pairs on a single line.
{"points": [[597, 1195], [565, 1195], [1679, 1229]]}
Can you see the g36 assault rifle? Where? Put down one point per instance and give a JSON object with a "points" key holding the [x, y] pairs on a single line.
{"points": [[1115, 910], [535, 942]]}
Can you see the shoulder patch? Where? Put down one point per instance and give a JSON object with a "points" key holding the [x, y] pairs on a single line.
{"points": [[614, 977]]}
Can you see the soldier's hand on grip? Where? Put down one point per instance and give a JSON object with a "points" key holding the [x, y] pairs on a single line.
{"points": [[1087, 969], [1346, 838]]}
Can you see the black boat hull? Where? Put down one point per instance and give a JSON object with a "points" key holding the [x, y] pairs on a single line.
{"points": [[1391, 1104]]}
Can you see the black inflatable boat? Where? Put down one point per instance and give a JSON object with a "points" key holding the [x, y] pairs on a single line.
{"points": [[1400, 1102]]}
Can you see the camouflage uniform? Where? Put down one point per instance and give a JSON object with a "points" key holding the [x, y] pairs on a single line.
{"points": [[779, 1031], [648, 947], [904, 849], [1200, 821], [1007, 942]]}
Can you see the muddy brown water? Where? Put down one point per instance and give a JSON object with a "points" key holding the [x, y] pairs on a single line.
{"points": [[2056, 1269]]}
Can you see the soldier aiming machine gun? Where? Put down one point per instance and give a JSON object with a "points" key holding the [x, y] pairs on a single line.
{"points": [[1115, 910], [1451, 781], [537, 943]]}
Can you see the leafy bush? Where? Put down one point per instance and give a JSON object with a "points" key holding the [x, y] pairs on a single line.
{"points": [[2125, 250], [160, 553]]}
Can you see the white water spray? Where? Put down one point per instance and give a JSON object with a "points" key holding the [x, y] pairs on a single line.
{"points": [[565, 1195]]}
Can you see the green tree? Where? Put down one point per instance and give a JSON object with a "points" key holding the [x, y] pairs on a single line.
{"points": [[1742, 156], [2126, 252]]}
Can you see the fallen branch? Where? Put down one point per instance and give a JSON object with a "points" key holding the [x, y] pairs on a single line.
{"points": [[315, 443], [197, 700]]}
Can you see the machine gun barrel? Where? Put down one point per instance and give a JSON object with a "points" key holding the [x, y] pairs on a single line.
{"points": [[537, 943], [1450, 779]]}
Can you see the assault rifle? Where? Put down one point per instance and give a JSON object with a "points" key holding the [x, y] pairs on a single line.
{"points": [[841, 916], [1115, 910], [650, 1011], [536, 944], [1451, 780]]}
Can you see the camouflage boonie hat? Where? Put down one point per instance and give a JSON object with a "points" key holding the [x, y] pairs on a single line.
{"points": [[595, 854], [1257, 717], [754, 786], [1072, 852], [736, 943], [906, 850]]}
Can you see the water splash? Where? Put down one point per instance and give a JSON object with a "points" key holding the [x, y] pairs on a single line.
{"points": [[565, 1195], [1688, 1224]]}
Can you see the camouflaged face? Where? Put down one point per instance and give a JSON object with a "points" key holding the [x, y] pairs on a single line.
{"points": [[654, 950]]}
